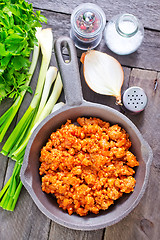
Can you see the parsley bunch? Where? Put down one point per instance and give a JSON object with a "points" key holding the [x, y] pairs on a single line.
{"points": [[18, 24]]}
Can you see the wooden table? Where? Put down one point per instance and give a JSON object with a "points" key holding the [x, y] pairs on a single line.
{"points": [[141, 69]]}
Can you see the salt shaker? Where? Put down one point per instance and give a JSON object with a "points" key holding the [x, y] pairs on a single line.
{"points": [[87, 24], [134, 100], [124, 34]]}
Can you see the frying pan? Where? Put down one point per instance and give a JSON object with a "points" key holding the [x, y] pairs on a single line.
{"points": [[75, 107]]}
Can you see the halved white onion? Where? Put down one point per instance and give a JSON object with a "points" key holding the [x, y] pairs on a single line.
{"points": [[103, 73]]}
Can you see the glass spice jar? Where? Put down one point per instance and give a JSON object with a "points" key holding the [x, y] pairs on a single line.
{"points": [[87, 24], [124, 34]]}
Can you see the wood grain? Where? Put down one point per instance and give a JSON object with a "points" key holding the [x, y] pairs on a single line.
{"points": [[27, 222], [143, 221], [26, 210], [146, 57], [151, 8], [58, 232], [110, 101], [4, 161]]}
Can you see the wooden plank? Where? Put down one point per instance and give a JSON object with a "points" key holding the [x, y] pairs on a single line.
{"points": [[26, 218], [3, 167], [3, 159], [110, 101], [143, 221], [146, 57], [31, 229], [110, 8], [58, 232], [26, 222], [26, 101]]}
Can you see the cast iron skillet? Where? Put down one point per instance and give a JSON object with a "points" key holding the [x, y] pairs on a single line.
{"points": [[75, 107]]}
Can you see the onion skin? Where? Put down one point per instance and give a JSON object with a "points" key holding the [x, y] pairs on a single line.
{"points": [[92, 85], [83, 57], [118, 100]]}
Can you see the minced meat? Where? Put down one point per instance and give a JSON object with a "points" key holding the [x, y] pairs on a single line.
{"points": [[87, 167]]}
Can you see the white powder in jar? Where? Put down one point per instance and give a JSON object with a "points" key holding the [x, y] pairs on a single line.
{"points": [[120, 44]]}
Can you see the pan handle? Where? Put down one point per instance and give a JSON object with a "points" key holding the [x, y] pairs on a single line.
{"points": [[69, 71]]}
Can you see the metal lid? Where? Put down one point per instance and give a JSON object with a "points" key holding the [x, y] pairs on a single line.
{"points": [[134, 99], [88, 20]]}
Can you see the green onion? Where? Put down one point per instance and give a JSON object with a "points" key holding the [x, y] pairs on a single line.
{"points": [[10, 192], [50, 78], [45, 39], [41, 106], [52, 99], [57, 106], [7, 118], [45, 111]]}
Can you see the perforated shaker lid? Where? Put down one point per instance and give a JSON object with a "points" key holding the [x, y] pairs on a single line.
{"points": [[134, 99]]}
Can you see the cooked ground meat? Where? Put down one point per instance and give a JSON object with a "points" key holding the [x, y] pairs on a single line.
{"points": [[88, 166]]}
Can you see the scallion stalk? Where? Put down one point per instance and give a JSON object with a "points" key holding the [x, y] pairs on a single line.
{"points": [[7, 118], [10, 192], [57, 106], [45, 39], [37, 111], [50, 78], [57, 89], [51, 101]]}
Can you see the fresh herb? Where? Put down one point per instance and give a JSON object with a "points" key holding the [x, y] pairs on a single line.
{"points": [[18, 24], [41, 106], [45, 39], [7, 118]]}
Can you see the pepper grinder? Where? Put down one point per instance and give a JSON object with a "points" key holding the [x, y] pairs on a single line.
{"points": [[87, 24]]}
